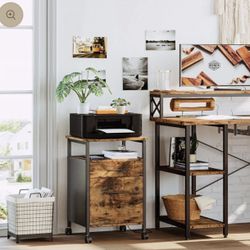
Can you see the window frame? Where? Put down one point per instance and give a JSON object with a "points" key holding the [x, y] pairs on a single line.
{"points": [[44, 104]]}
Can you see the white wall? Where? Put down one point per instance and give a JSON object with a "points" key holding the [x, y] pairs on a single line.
{"points": [[124, 23]]}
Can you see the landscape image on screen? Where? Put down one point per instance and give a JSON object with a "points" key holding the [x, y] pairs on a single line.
{"points": [[214, 64]]}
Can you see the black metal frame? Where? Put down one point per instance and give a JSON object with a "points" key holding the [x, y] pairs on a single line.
{"points": [[68, 229], [189, 131]]}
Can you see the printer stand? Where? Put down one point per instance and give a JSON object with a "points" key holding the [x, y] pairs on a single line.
{"points": [[106, 192]]}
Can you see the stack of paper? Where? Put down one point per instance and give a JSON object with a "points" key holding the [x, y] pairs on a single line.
{"points": [[120, 154]]}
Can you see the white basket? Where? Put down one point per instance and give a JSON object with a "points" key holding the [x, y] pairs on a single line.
{"points": [[30, 216]]}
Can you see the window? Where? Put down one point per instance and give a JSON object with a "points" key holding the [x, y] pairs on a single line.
{"points": [[16, 105]]}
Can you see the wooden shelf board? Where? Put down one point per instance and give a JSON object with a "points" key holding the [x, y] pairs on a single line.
{"points": [[203, 222], [180, 171], [78, 139], [192, 120], [199, 93]]}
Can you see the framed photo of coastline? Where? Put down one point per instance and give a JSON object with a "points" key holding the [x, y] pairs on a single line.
{"points": [[162, 40], [135, 73]]}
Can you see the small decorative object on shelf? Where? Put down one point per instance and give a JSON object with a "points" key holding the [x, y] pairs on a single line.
{"points": [[82, 86], [120, 105], [177, 150]]}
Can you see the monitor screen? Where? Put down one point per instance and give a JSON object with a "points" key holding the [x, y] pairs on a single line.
{"points": [[214, 65]]}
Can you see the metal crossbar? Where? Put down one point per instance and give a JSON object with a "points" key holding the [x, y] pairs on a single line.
{"points": [[156, 107], [233, 172]]}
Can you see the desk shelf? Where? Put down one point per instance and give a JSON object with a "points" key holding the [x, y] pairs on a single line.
{"points": [[181, 171], [157, 97], [203, 222], [190, 183]]}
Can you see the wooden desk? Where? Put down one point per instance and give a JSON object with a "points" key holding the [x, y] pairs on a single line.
{"points": [[189, 124]]}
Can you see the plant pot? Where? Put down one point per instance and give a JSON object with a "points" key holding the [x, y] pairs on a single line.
{"points": [[121, 109], [83, 108], [193, 158]]}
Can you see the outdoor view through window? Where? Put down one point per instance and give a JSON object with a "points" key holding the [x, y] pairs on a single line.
{"points": [[16, 105]]}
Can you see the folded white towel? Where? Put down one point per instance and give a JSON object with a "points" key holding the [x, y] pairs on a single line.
{"points": [[204, 202], [33, 193], [39, 193]]}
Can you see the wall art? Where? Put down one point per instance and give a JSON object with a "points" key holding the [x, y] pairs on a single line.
{"points": [[135, 73], [214, 64], [160, 40], [90, 47]]}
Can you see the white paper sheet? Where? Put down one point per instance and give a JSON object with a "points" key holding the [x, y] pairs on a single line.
{"points": [[222, 117], [116, 130]]}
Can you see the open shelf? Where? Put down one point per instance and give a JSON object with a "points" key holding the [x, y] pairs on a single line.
{"points": [[181, 171], [203, 222]]}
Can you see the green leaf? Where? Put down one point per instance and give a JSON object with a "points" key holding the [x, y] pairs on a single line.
{"points": [[62, 91], [96, 89], [69, 78]]}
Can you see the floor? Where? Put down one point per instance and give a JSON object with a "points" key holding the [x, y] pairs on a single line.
{"points": [[169, 239]]}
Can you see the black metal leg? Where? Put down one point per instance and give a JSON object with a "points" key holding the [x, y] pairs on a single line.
{"points": [[194, 136], [88, 239], [187, 183], [151, 107], [225, 180], [161, 106], [144, 234], [194, 185], [68, 230], [157, 175]]}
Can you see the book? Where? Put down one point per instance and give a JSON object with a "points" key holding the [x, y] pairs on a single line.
{"points": [[120, 154], [120, 157], [194, 164], [198, 165], [195, 168], [172, 152]]}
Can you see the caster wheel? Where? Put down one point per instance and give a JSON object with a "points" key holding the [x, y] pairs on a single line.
{"points": [[144, 236], [88, 239], [123, 228], [68, 231]]}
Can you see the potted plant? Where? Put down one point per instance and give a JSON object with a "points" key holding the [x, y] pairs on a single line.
{"points": [[120, 105], [82, 87]]}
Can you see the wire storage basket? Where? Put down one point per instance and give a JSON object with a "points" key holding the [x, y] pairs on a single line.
{"points": [[30, 218]]}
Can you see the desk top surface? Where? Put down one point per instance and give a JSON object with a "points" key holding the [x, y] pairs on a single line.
{"points": [[192, 120], [140, 138], [199, 93]]}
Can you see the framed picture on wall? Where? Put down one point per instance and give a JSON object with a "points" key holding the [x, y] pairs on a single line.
{"points": [[215, 65], [160, 39], [89, 47], [135, 73]]}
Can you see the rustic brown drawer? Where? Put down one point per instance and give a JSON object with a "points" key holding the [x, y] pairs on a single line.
{"points": [[116, 168], [116, 201]]}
